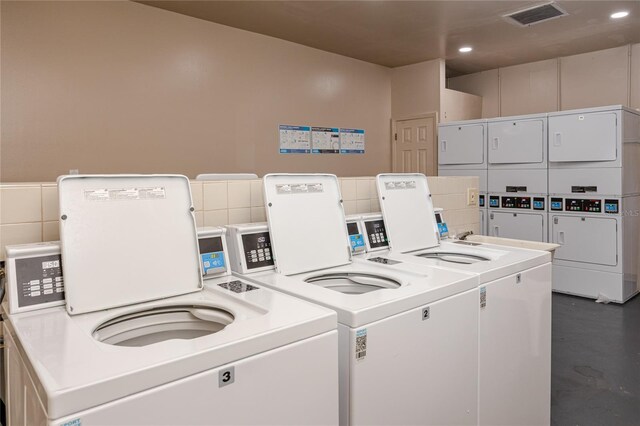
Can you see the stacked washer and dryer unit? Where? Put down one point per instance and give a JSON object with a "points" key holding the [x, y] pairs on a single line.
{"points": [[594, 201], [517, 177], [568, 177]]}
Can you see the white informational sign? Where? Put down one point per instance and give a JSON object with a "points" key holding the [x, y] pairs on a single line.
{"points": [[295, 139], [351, 141], [325, 140]]}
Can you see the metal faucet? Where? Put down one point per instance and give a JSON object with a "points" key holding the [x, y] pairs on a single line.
{"points": [[464, 235]]}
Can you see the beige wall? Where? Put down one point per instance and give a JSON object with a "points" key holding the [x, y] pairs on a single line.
{"points": [[604, 77], [415, 89], [529, 88], [29, 211], [111, 87], [455, 106], [485, 84], [635, 76], [595, 79]]}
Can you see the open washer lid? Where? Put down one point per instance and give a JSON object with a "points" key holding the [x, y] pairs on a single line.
{"points": [[306, 222], [408, 212], [126, 239]]}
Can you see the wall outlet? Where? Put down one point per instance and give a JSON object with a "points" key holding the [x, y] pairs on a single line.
{"points": [[472, 196]]}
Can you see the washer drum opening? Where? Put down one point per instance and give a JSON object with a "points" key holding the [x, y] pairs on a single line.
{"points": [[353, 282], [156, 325], [453, 257]]}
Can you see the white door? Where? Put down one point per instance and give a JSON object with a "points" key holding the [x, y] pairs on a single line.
{"points": [[585, 239], [461, 144], [583, 137], [519, 226], [517, 141], [414, 146]]}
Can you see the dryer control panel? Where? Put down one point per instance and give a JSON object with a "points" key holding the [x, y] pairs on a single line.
{"points": [[585, 205], [516, 202]]}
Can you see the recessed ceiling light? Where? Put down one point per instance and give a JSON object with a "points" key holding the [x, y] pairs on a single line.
{"points": [[619, 15], [465, 49]]}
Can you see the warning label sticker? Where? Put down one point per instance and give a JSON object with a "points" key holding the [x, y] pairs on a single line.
{"points": [[483, 297], [299, 188], [116, 194], [404, 184]]}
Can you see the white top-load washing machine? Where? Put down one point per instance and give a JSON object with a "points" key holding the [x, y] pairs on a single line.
{"points": [[594, 200], [462, 151], [408, 334], [142, 340], [515, 301], [517, 177]]}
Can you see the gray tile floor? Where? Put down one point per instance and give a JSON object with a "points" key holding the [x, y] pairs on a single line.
{"points": [[595, 362]]}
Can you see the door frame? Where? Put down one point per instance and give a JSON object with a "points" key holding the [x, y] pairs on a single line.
{"points": [[394, 132]]}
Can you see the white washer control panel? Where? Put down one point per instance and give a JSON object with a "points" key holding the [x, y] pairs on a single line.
{"points": [[39, 280], [257, 250]]}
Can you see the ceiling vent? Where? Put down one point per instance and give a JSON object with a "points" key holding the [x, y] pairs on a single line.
{"points": [[535, 15]]}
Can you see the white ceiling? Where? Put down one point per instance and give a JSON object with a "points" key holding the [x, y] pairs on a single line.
{"points": [[395, 33]]}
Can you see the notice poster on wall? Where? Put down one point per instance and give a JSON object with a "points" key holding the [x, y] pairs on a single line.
{"points": [[351, 141], [295, 139], [325, 140]]}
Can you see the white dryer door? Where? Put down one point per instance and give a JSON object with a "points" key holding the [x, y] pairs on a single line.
{"points": [[585, 239], [461, 144], [520, 226], [583, 137], [517, 141]]}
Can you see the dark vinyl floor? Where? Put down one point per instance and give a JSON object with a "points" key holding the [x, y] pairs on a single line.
{"points": [[595, 362]]}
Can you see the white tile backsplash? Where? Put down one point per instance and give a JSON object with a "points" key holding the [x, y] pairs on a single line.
{"points": [[197, 195], [215, 195], [19, 233], [257, 197], [258, 214], [239, 194], [348, 189], [363, 189], [349, 207], [20, 204], [32, 209], [50, 231], [216, 217], [50, 207], [242, 215], [363, 206]]}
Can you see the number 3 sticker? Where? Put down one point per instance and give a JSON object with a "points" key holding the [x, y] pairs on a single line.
{"points": [[226, 377]]}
